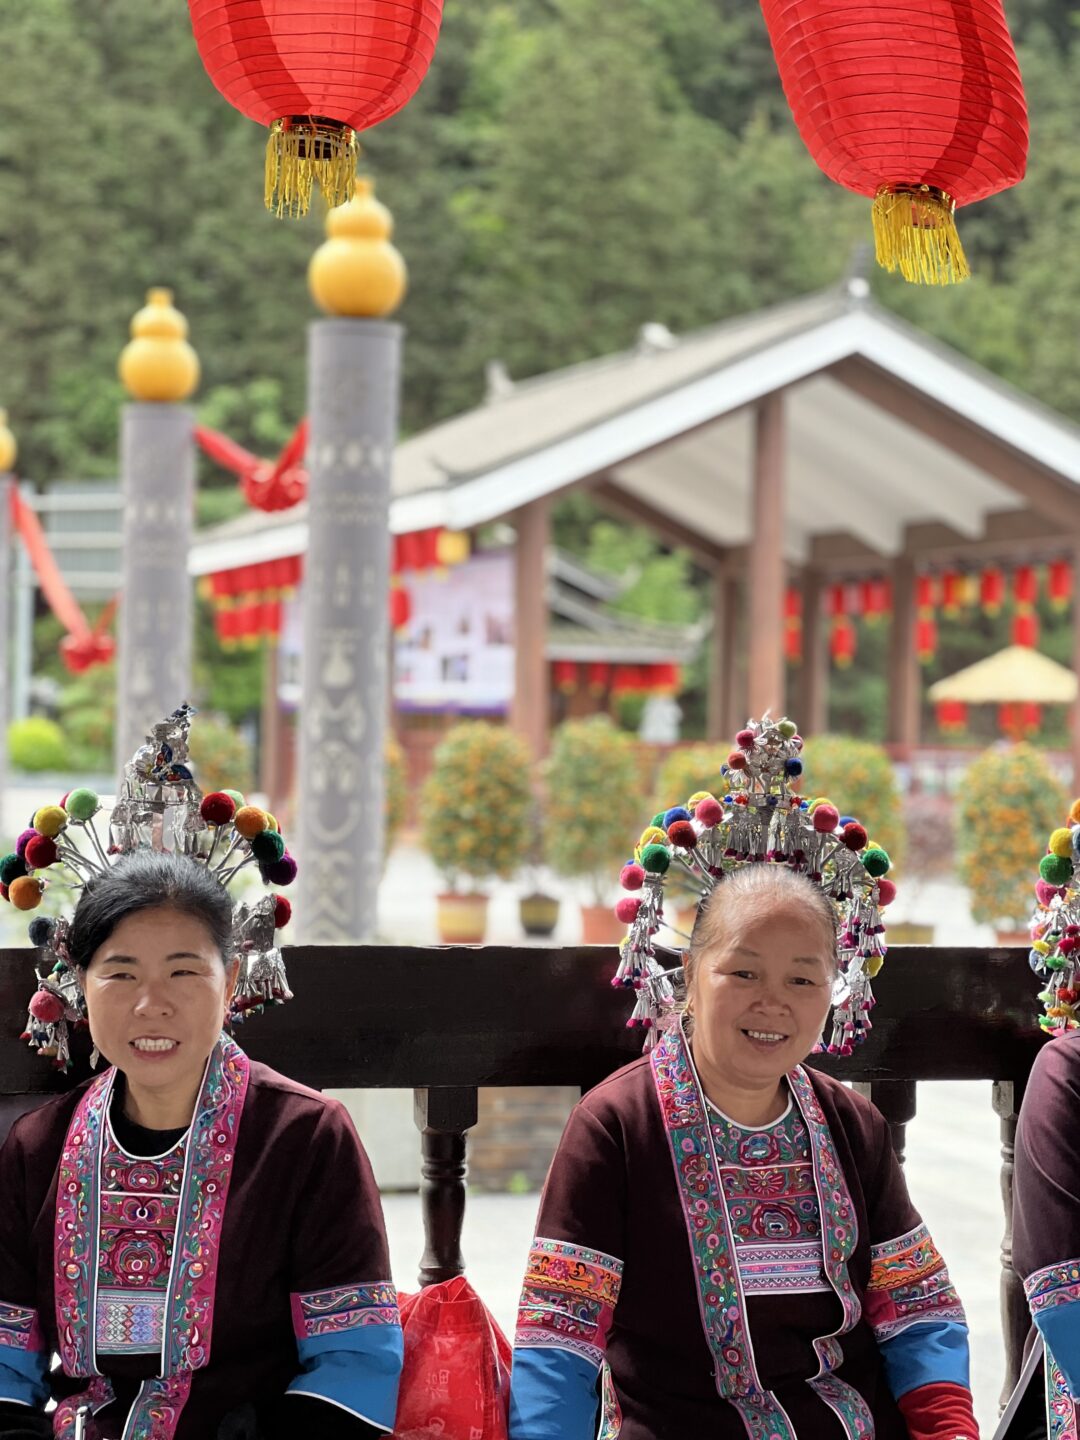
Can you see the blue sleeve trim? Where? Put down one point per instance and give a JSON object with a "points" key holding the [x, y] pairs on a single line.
{"points": [[357, 1370], [1059, 1325], [926, 1353], [23, 1377], [554, 1395]]}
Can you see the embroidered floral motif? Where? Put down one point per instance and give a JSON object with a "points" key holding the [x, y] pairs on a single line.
{"points": [[1053, 1285], [97, 1395], [909, 1284], [568, 1299], [328, 1312], [847, 1404], [19, 1328], [1060, 1409]]}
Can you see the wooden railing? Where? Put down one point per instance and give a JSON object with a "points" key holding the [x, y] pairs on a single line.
{"points": [[445, 1022]]}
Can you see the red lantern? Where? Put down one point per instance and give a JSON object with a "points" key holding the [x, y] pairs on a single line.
{"points": [[876, 600], [992, 590], [315, 72], [1025, 585], [842, 641], [1059, 584], [598, 677], [564, 674], [953, 593], [1025, 629], [926, 638], [919, 105], [666, 678], [1030, 717], [951, 716], [400, 607], [926, 594], [793, 625]]}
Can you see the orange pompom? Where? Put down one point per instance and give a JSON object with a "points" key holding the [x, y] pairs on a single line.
{"points": [[26, 892], [1074, 813], [251, 821]]}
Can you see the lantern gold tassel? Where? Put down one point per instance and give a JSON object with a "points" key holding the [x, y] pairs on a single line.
{"points": [[303, 149], [915, 233]]}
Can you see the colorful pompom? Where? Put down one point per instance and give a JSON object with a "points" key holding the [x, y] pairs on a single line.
{"points": [[709, 811], [793, 768], [682, 835], [4, 891], [250, 821], [1044, 893], [873, 965], [632, 877], [11, 867], [677, 812], [41, 931], [1061, 843], [217, 808], [50, 820], [658, 819], [1054, 869], [82, 804], [271, 822], [626, 908], [736, 760], [25, 893], [41, 852], [267, 847], [886, 893], [876, 862], [656, 859], [23, 840], [826, 817], [652, 835], [46, 1007], [788, 729], [235, 797], [282, 912], [283, 871], [854, 835], [745, 739]]}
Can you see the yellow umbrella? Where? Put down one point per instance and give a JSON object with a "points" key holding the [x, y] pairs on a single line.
{"points": [[1015, 674]]}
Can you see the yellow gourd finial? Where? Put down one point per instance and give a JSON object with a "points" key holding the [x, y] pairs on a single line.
{"points": [[158, 364], [8, 448], [357, 271]]}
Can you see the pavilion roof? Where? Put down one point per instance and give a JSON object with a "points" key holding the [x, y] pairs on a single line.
{"points": [[1014, 674], [873, 411]]}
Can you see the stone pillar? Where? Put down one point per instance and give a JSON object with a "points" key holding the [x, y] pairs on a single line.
{"points": [[157, 478], [765, 563], [8, 452], [353, 380], [721, 709], [813, 713], [530, 713]]}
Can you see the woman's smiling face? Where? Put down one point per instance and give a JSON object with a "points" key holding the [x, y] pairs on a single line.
{"points": [[157, 991], [761, 994]]}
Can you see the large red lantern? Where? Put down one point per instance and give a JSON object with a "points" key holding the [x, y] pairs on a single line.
{"points": [[315, 72], [919, 105]]}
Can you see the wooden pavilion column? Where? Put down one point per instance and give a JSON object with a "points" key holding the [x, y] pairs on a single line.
{"points": [[765, 563], [813, 712], [904, 685], [721, 718], [530, 712], [1075, 717]]}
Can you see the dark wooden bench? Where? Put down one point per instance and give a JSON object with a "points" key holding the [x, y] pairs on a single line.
{"points": [[445, 1022]]}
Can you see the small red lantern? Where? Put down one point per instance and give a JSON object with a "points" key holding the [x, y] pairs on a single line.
{"points": [[926, 639], [315, 72], [842, 641], [951, 716], [1025, 585], [598, 677], [564, 675], [1059, 584], [992, 590], [919, 105], [400, 607], [1025, 628], [793, 625], [953, 593], [876, 600]]}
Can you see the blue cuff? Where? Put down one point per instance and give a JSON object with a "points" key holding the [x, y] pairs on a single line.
{"points": [[1059, 1325], [23, 1376], [554, 1395], [927, 1353], [357, 1370]]}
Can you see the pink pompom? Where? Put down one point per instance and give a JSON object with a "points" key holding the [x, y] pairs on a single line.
{"points": [[1044, 893], [826, 819], [282, 912], [886, 893], [632, 877], [626, 909], [709, 811], [46, 1007], [854, 835], [745, 739], [682, 835]]}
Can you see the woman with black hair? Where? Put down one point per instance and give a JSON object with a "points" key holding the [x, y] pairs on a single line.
{"points": [[197, 1238]]}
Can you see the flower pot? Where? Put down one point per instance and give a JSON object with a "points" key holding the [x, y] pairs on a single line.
{"points": [[599, 926], [907, 932], [1012, 937], [539, 914], [462, 919]]}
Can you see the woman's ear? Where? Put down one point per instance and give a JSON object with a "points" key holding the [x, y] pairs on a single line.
{"points": [[232, 975]]}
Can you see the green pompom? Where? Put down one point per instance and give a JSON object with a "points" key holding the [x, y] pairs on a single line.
{"points": [[82, 804], [788, 729], [658, 818], [267, 847], [11, 867], [235, 797], [876, 863], [656, 859], [1054, 869]]}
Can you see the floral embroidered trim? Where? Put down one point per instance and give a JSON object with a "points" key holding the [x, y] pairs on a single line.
{"points": [[1053, 1285], [97, 1395], [19, 1328], [329, 1312], [568, 1299], [909, 1283], [847, 1404], [1060, 1408]]}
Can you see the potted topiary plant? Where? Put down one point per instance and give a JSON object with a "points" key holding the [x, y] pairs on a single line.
{"points": [[686, 771], [594, 806], [1010, 800], [930, 848], [395, 804], [475, 811], [538, 910], [859, 775]]}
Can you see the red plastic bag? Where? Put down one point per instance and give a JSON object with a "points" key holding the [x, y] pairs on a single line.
{"points": [[455, 1383]]}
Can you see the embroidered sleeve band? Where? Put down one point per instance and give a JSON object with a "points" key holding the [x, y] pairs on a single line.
{"points": [[909, 1285], [1053, 1285], [351, 1349], [1053, 1293], [568, 1299], [329, 1312], [23, 1361]]}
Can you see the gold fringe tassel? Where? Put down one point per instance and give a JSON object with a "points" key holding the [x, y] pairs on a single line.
{"points": [[915, 233], [303, 149]]}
